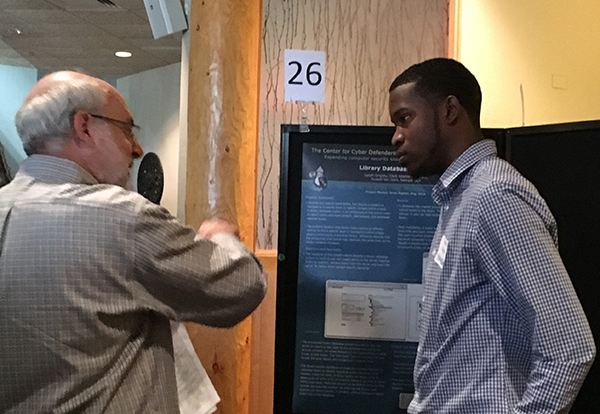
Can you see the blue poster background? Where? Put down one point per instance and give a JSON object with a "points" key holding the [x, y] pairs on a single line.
{"points": [[362, 219]]}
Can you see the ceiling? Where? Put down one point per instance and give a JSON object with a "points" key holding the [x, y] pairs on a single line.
{"points": [[82, 35]]}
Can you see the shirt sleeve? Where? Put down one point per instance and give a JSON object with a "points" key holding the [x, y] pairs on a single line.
{"points": [[216, 282], [517, 241]]}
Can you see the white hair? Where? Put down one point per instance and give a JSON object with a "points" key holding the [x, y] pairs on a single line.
{"points": [[49, 116]]}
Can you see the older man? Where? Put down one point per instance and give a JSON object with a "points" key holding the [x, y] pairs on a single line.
{"points": [[91, 274]]}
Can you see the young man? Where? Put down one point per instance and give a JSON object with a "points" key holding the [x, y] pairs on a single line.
{"points": [[503, 330], [91, 274]]}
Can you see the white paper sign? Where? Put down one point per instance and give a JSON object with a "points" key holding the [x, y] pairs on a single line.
{"points": [[304, 75]]}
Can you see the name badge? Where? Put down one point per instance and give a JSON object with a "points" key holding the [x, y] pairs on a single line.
{"points": [[440, 256]]}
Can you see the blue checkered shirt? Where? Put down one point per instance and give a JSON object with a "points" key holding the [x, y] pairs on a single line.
{"points": [[502, 329]]}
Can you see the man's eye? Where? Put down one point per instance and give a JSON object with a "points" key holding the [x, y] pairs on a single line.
{"points": [[403, 120]]}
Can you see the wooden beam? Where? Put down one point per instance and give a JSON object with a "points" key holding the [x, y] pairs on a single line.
{"points": [[262, 380], [454, 17], [223, 114]]}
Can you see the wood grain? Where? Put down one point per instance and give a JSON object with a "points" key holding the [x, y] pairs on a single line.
{"points": [[221, 163]]}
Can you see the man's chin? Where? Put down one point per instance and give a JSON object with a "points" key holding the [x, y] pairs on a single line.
{"points": [[415, 176], [412, 171], [125, 182], [128, 185]]}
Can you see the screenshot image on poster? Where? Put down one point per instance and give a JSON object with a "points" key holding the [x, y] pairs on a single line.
{"points": [[373, 310]]}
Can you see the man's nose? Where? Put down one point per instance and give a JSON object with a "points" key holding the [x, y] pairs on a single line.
{"points": [[137, 149], [397, 138]]}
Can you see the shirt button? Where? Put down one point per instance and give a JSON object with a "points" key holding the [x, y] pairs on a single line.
{"points": [[446, 208]]}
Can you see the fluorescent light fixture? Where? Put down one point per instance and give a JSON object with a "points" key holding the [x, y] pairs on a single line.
{"points": [[123, 54]]}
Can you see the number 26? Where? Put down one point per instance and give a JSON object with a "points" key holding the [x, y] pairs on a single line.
{"points": [[313, 77]]}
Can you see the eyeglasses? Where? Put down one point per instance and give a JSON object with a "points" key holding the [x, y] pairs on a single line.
{"points": [[128, 127]]}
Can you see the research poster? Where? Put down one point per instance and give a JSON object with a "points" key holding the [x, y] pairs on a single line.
{"points": [[365, 230]]}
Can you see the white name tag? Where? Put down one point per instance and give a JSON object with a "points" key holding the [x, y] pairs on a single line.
{"points": [[440, 256]]}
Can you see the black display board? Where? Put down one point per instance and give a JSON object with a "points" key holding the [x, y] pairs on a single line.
{"points": [[562, 161], [353, 230], [5, 176]]}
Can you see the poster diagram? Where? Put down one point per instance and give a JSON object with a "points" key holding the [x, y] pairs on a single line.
{"points": [[373, 310]]}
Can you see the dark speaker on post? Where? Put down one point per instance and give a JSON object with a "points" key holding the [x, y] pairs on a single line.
{"points": [[165, 16]]}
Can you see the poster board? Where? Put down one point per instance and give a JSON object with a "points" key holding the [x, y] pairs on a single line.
{"points": [[561, 160], [353, 230]]}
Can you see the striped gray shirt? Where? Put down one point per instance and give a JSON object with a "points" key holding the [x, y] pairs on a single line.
{"points": [[90, 276]]}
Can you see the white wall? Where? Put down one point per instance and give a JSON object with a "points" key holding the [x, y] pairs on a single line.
{"points": [[15, 84], [183, 115], [549, 48], [153, 98]]}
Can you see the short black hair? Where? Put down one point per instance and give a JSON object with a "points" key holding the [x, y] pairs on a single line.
{"points": [[438, 78]]}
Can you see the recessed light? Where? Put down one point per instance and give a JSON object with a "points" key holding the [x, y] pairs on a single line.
{"points": [[123, 54]]}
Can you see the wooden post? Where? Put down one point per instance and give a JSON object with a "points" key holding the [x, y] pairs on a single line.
{"points": [[223, 114], [262, 380], [454, 28]]}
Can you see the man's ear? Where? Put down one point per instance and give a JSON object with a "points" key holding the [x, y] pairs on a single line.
{"points": [[452, 108], [81, 129]]}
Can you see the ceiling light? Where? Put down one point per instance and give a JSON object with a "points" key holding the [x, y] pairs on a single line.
{"points": [[123, 54]]}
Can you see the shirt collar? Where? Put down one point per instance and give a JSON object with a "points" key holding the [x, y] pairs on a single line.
{"points": [[451, 177], [54, 170]]}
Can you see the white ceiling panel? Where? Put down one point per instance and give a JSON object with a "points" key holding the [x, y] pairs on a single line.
{"points": [[59, 30], [8, 20], [130, 4], [43, 16], [74, 5], [26, 5], [116, 16], [84, 34], [134, 31]]}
